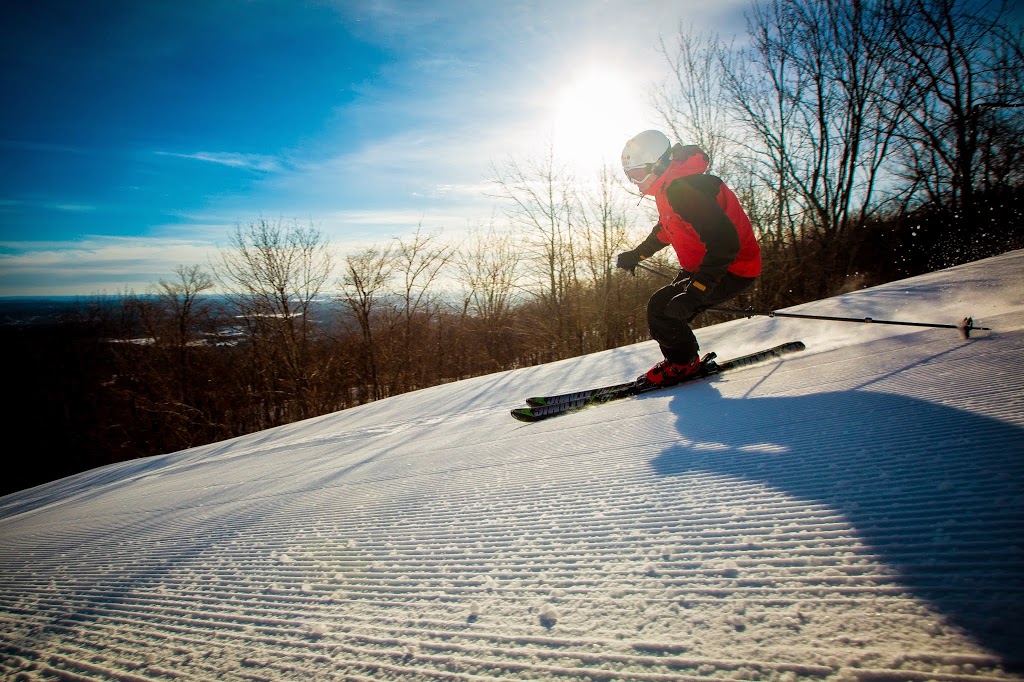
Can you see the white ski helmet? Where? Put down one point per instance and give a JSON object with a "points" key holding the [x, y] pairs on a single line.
{"points": [[641, 154]]}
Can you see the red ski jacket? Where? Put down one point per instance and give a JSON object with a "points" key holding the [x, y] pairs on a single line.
{"points": [[703, 221]]}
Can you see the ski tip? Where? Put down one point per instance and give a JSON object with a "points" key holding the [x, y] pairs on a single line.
{"points": [[536, 402], [525, 414]]}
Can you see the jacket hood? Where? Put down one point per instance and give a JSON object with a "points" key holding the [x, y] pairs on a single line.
{"points": [[693, 159], [686, 160]]}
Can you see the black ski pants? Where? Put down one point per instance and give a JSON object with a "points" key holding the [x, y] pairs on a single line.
{"points": [[673, 334]]}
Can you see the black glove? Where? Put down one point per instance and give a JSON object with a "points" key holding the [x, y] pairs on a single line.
{"points": [[687, 304], [628, 260]]}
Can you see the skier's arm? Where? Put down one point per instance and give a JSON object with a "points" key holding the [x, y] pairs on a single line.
{"points": [[653, 243], [711, 224], [650, 246]]}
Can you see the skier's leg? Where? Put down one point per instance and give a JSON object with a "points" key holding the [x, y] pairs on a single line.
{"points": [[730, 287], [678, 344], [674, 335]]}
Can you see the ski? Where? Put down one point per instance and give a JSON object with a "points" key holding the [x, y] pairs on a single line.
{"points": [[543, 401], [543, 407]]}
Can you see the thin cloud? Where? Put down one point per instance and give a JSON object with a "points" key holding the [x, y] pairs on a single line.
{"points": [[108, 264], [49, 205], [255, 162], [73, 208]]}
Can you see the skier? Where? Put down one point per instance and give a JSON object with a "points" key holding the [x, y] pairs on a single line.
{"points": [[712, 237]]}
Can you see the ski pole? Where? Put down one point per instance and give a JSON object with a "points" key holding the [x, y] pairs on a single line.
{"points": [[656, 271], [965, 327]]}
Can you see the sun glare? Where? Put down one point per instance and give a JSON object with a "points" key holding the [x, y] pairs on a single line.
{"points": [[593, 116]]}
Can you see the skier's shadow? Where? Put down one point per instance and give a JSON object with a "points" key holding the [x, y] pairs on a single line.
{"points": [[935, 492]]}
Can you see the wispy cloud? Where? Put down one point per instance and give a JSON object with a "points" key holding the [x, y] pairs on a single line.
{"points": [[255, 162], [106, 265], [48, 204], [73, 208]]}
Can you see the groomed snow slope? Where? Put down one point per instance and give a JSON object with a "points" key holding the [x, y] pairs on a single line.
{"points": [[851, 512]]}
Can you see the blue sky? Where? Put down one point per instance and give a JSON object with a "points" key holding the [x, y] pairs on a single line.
{"points": [[135, 135]]}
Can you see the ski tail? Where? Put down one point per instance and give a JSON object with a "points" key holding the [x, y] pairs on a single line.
{"points": [[564, 398], [535, 413]]}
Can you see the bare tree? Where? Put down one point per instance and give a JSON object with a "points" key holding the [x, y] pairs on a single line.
{"points": [[965, 62], [181, 296], [843, 51], [541, 202], [760, 90], [813, 95], [188, 314], [364, 287], [419, 262], [159, 355], [691, 105], [605, 224], [488, 268], [274, 273]]}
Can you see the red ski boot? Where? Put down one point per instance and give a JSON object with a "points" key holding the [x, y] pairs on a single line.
{"points": [[667, 373]]}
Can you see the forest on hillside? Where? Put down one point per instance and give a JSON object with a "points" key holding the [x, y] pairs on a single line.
{"points": [[867, 141]]}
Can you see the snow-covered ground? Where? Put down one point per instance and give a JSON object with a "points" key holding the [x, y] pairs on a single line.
{"points": [[851, 512]]}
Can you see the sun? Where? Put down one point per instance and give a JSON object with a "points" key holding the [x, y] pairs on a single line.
{"points": [[594, 114]]}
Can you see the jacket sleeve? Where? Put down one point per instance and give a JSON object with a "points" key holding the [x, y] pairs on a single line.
{"points": [[653, 243], [712, 225]]}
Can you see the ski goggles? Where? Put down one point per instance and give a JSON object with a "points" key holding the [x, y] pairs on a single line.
{"points": [[638, 174]]}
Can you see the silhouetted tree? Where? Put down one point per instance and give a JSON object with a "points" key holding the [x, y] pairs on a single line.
{"points": [[274, 273]]}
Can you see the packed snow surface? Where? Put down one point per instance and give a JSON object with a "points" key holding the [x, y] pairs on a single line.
{"points": [[852, 511]]}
